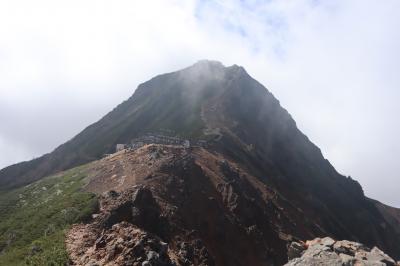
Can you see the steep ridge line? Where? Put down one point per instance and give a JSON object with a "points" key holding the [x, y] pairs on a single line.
{"points": [[198, 196]]}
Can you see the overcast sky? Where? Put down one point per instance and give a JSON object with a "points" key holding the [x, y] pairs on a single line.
{"points": [[334, 65]]}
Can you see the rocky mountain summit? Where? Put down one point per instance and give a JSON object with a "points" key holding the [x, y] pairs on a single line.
{"points": [[327, 251], [210, 170]]}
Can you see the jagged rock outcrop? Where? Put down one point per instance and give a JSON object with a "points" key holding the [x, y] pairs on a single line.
{"points": [[122, 244], [327, 251], [206, 209], [209, 210], [128, 231]]}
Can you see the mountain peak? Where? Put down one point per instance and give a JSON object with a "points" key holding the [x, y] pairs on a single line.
{"points": [[246, 160], [211, 70], [214, 64], [206, 62]]}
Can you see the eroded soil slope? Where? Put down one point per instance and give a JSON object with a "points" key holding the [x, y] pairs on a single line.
{"points": [[166, 204]]}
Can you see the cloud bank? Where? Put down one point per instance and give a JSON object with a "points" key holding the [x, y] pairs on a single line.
{"points": [[332, 64]]}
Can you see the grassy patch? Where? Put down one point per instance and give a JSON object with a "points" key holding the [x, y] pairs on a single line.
{"points": [[34, 219]]}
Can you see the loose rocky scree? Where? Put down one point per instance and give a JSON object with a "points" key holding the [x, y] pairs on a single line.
{"points": [[327, 251]]}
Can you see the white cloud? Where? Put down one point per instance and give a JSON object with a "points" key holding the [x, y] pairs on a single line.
{"points": [[332, 64]]}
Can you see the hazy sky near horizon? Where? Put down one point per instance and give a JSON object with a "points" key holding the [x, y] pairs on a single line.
{"points": [[334, 65]]}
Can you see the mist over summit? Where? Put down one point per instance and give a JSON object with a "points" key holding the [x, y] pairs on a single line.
{"points": [[209, 166]]}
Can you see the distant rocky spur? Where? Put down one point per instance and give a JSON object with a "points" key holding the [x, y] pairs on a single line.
{"points": [[327, 251]]}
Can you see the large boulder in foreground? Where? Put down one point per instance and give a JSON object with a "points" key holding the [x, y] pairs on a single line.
{"points": [[326, 251]]}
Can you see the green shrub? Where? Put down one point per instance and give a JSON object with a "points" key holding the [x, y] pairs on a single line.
{"points": [[34, 219]]}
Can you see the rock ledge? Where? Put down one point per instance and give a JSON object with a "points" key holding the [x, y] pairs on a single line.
{"points": [[326, 251]]}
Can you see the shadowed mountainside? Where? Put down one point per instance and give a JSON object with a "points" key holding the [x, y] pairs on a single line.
{"points": [[243, 122]]}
